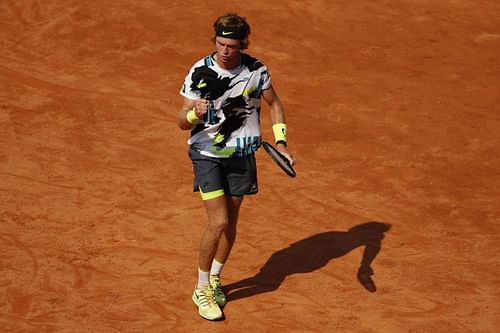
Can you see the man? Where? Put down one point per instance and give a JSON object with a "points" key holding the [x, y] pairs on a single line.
{"points": [[222, 94]]}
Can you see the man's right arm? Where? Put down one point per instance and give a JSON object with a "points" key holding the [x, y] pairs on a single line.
{"points": [[191, 113]]}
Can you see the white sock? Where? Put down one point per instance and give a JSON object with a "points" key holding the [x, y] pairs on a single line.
{"points": [[216, 268], [203, 278]]}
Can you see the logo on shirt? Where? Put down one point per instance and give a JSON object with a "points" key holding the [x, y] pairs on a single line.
{"points": [[201, 84]]}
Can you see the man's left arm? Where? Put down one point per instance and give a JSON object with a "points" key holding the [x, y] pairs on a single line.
{"points": [[279, 121]]}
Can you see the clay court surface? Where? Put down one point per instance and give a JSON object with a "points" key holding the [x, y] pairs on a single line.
{"points": [[393, 109]]}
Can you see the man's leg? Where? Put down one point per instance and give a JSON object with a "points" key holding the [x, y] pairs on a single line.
{"points": [[203, 295], [226, 242], [218, 221], [224, 247]]}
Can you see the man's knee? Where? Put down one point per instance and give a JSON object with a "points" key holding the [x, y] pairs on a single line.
{"points": [[218, 225]]}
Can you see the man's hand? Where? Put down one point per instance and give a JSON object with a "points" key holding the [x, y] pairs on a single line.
{"points": [[191, 112], [282, 148], [201, 107]]}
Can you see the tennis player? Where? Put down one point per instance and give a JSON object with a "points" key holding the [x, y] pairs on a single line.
{"points": [[222, 102]]}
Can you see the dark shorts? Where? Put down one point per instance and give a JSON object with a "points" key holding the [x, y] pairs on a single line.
{"points": [[233, 176]]}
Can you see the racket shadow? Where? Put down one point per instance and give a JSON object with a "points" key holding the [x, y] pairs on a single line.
{"points": [[312, 253]]}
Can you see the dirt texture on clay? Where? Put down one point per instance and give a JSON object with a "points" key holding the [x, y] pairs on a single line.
{"points": [[391, 225]]}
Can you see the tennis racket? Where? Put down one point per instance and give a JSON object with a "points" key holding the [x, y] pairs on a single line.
{"points": [[279, 159]]}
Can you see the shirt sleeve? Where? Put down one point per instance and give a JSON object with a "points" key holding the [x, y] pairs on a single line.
{"points": [[266, 79], [186, 87]]}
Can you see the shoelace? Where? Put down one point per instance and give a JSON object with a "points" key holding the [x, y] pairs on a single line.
{"points": [[206, 297]]}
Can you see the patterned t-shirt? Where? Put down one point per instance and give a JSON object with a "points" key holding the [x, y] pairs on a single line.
{"points": [[231, 126]]}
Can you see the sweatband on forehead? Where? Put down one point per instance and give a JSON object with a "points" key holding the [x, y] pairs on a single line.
{"points": [[229, 33]]}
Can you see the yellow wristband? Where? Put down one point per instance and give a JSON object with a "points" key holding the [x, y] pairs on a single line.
{"points": [[191, 116], [279, 131]]}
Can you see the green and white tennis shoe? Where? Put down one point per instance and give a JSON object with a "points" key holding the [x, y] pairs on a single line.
{"points": [[207, 306], [219, 295]]}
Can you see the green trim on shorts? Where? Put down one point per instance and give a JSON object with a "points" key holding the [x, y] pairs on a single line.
{"points": [[212, 194]]}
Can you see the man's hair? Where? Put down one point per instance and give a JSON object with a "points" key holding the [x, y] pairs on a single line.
{"points": [[236, 23]]}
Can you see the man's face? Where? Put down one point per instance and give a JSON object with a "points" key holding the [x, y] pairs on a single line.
{"points": [[228, 50]]}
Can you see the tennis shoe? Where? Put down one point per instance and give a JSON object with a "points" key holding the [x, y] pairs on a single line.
{"points": [[219, 295], [207, 306]]}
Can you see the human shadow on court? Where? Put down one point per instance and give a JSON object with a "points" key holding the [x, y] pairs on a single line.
{"points": [[312, 253]]}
